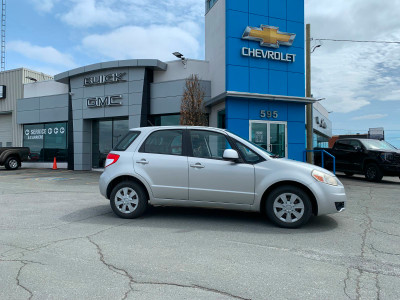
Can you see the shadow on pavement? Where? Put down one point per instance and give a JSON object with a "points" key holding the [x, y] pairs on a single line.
{"points": [[182, 219]]}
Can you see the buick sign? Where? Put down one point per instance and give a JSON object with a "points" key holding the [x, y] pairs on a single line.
{"points": [[104, 79]]}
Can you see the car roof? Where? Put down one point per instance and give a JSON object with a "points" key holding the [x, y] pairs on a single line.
{"points": [[154, 128]]}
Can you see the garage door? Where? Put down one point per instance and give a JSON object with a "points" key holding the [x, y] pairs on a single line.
{"points": [[5, 130]]}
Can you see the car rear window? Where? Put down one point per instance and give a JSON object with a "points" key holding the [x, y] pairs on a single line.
{"points": [[126, 141]]}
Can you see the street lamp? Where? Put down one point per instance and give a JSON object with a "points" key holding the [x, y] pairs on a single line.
{"points": [[180, 55]]}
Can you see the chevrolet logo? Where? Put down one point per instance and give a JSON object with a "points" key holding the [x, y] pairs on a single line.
{"points": [[268, 36]]}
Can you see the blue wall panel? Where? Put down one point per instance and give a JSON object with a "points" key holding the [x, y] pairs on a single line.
{"points": [[296, 132], [259, 7], [235, 57], [238, 108], [237, 79], [237, 22], [241, 5], [296, 82], [295, 10], [296, 112], [259, 81], [298, 29], [257, 20], [278, 82], [299, 64], [239, 127], [277, 9], [296, 151]]}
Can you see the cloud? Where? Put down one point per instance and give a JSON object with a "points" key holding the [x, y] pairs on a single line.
{"points": [[115, 13], [44, 6], [46, 54], [89, 13], [353, 75], [138, 42], [370, 117]]}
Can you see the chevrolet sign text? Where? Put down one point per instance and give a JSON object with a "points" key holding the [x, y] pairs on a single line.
{"points": [[259, 53]]}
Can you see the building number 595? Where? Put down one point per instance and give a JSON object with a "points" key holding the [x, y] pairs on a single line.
{"points": [[268, 114]]}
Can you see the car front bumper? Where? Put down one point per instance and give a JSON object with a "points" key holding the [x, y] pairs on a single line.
{"points": [[330, 199]]}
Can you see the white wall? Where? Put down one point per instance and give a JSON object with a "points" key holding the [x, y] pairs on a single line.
{"points": [[177, 71], [44, 88], [215, 46]]}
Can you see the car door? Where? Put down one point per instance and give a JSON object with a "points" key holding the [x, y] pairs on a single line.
{"points": [[163, 163], [356, 156], [341, 154], [213, 179]]}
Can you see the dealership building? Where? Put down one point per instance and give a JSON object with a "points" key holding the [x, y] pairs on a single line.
{"points": [[253, 78]]}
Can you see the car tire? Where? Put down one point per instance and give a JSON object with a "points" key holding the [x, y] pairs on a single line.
{"points": [[349, 174], [128, 200], [373, 173], [12, 163], [288, 207]]}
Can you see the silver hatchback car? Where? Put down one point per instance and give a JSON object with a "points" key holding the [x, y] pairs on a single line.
{"points": [[213, 168]]}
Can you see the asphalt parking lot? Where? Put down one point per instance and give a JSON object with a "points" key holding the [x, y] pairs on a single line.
{"points": [[60, 240]]}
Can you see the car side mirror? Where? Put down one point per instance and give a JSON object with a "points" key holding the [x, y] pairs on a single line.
{"points": [[230, 154], [358, 149]]}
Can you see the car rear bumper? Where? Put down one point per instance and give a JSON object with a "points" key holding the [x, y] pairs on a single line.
{"points": [[103, 183]]}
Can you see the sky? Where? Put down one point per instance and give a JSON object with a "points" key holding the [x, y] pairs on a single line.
{"points": [[359, 81]]}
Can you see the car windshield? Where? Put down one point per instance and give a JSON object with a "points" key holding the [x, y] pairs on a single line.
{"points": [[255, 145], [377, 145]]}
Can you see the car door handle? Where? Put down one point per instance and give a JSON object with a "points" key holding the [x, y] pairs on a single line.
{"points": [[142, 161], [197, 165]]}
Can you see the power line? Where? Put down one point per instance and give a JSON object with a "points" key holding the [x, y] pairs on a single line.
{"points": [[358, 41]]}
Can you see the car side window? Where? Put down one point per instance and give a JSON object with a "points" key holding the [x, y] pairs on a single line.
{"points": [[344, 145], [208, 144], [355, 144], [249, 155], [163, 142]]}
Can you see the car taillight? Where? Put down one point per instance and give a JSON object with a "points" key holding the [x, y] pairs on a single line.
{"points": [[111, 159]]}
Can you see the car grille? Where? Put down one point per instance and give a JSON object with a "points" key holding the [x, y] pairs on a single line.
{"points": [[396, 158]]}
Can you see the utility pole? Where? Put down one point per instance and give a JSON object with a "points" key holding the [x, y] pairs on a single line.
{"points": [[309, 107]]}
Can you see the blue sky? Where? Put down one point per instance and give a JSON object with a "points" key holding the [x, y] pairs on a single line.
{"points": [[360, 82]]}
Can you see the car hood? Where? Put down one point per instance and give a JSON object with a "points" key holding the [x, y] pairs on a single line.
{"points": [[306, 167]]}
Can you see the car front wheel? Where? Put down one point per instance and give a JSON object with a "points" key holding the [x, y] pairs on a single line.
{"points": [[288, 207], [11, 163], [373, 173], [128, 200]]}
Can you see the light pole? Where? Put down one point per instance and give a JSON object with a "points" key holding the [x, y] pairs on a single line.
{"points": [[309, 107]]}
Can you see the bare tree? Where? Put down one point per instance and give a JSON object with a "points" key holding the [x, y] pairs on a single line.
{"points": [[192, 106]]}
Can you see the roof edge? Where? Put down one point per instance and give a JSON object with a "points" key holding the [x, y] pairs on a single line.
{"points": [[154, 64]]}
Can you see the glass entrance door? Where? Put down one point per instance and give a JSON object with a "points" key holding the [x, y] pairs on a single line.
{"points": [[105, 135], [270, 135]]}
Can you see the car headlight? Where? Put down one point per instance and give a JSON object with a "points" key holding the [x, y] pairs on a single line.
{"points": [[387, 156], [324, 177]]}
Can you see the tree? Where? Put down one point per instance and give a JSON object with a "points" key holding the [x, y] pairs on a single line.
{"points": [[192, 106]]}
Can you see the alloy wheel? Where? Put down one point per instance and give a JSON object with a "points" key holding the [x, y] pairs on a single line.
{"points": [[288, 207], [126, 200]]}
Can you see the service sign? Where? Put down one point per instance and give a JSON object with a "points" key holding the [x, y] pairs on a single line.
{"points": [[39, 133], [271, 37]]}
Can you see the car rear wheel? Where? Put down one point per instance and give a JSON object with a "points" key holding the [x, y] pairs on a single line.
{"points": [[12, 163], [128, 200], [373, 173], [288, 207]]}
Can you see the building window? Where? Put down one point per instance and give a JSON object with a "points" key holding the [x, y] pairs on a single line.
{"points": [[210, 4], [320, 141], [221, 119], [166, 120], [46, 141]]}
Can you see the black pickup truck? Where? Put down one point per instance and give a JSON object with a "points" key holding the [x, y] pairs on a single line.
{"points": [[373, 158], [11, 157]]}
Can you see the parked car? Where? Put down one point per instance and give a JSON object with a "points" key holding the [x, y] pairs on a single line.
{"points": [[11, 157], [373, 158], [213, 168]]}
